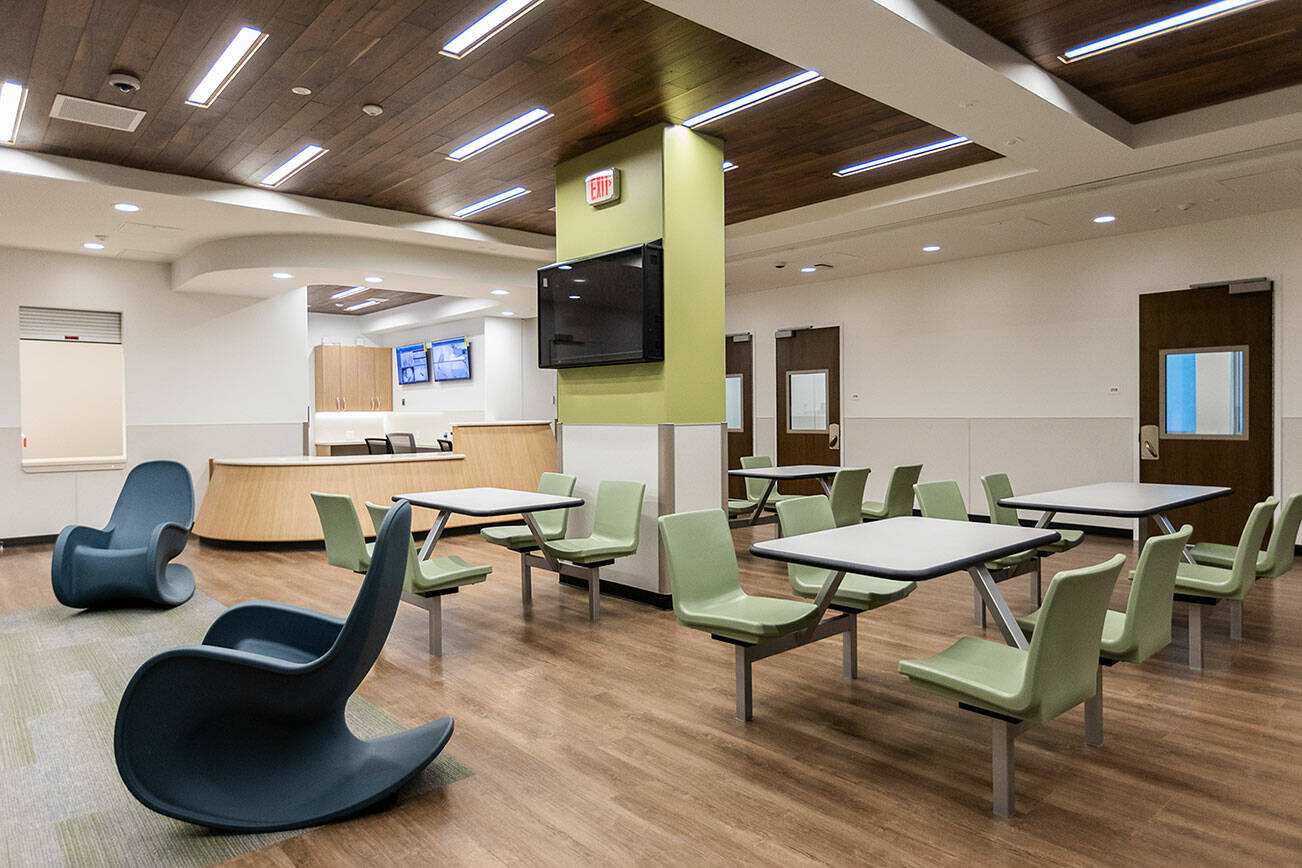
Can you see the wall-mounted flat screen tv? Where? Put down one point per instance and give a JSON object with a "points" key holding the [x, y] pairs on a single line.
{"points": [[413, 364], [603, 310], [450, 359]]}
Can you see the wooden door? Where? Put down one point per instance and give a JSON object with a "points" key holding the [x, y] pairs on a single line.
{"points": [[382, 377], [809, 400], [328, 367], [1206, 364], [739, 361]]}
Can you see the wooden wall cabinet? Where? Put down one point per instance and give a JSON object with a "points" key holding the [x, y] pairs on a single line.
{"points": [[357, 379]]}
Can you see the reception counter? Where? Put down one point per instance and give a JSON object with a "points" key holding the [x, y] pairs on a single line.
{"points": [[269, 499]]}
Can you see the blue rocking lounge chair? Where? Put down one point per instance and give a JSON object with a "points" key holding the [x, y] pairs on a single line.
{"points": [[128, 561], [247, 733]]}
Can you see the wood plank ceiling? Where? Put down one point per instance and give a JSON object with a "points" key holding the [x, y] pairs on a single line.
{"points": [[1249, 52], [606, 68], [319, 300]]}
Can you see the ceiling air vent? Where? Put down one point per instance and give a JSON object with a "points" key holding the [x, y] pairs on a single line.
{"points": [[97, 114]]}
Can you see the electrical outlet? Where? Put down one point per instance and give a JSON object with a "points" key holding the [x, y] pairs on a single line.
{"points": [[1114, 390]]}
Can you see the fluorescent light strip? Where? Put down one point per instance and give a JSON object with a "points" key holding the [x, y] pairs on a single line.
{"points": [[347, 292], [1159, 27], [228, 66], [729, 165], [933, 148], [12, 98], [809, 76], [368, 303], [282, 172], [498, 19], [501, 134], [484, 204]]}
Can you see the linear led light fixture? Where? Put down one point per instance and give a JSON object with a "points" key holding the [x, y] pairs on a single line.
{"points": [[12, 98], [500, 17], [729, 165], [933, 148], [484, 204], [344, 293], [1196, 15], [368, 303], [282, 172], [809, 76], [501, 134], [228, 66]]}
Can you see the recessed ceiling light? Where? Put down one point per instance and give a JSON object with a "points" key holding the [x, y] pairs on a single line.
{"points": [[281, 275], [501, 134], [729, 165], [373, 279], [808, 269], [301, 91], [934, 147], [508, 313], [495, 20], [228, 65], [574, 298], [500, 292], [580, 280], [809, 76], [1105, 218], [483, 204], [1196, 15], [279, 174], [370, 302], [353, 290], [565, 267], [12, 97], [931, 248], [93, 245], [126, 207]]}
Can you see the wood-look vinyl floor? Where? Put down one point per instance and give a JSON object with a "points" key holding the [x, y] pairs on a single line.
{"points": [[615, 743]]}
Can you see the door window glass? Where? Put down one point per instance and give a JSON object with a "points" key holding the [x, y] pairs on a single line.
{"points": [[732, 402], [1204, 392], [806, 401]]}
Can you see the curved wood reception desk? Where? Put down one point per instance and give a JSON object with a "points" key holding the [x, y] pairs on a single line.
{"points": [[269, 499]]}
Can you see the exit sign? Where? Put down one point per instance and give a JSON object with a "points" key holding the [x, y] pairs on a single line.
{"points": [[602, 187]]}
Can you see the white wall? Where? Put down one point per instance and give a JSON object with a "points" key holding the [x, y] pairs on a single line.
{"points": [[1010, 362], [206, 376]]}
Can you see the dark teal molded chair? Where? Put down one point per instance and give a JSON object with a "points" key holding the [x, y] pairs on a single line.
{"points": [[899, 495], [128, 561], [246, 732]]}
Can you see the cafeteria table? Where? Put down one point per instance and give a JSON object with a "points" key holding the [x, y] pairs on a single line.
{"points": [[910, 548], [1119, 500], [787, 473]]}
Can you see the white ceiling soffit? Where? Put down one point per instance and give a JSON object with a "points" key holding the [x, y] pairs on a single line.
{"points": [[427, 313]]}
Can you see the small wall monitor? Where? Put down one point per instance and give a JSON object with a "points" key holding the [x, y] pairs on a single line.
{"points": [[450, 359], [413, 364]]}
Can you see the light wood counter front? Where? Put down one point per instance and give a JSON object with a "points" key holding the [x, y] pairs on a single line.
{"points": [[269, 499]]}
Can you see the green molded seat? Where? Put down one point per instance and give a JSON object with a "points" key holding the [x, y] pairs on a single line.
{"points": [[426, 582], [846, 496], [899, 494], [859, 593], [755, 487], [345, 545], [1018, 688], [616, 526], [1272, 563], [997, 488], [552, 522]]}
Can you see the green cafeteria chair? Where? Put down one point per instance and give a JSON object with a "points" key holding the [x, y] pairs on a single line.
{"points": [[899, 495], [427, 582], [552, 523], [944, 500], [1017, 688], [345, 545], [1200, 585], [997, 488], [755, 488], [846, 496], [1143, 629], [1272, 563], [616, 527], [707, 594]]}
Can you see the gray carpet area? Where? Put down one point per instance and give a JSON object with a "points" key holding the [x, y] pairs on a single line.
{"points": [[61, 801]]}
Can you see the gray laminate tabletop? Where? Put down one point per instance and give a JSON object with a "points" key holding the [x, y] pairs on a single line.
{"points": [[790, 471], [1117, 499], [488, 501], [906, 548]]}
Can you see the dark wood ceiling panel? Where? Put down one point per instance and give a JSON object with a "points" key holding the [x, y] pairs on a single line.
{"points": [[319, 300], [605, 69], [1238, 55]]}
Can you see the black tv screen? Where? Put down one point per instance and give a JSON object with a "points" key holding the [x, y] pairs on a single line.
{"points": [[603, 310]]}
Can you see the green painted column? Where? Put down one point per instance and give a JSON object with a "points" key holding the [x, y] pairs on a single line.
{"points": [[671, 187]]}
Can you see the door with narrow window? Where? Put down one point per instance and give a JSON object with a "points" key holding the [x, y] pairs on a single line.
{"points": [[808, 400], [738, 398], [1206, 399]]}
